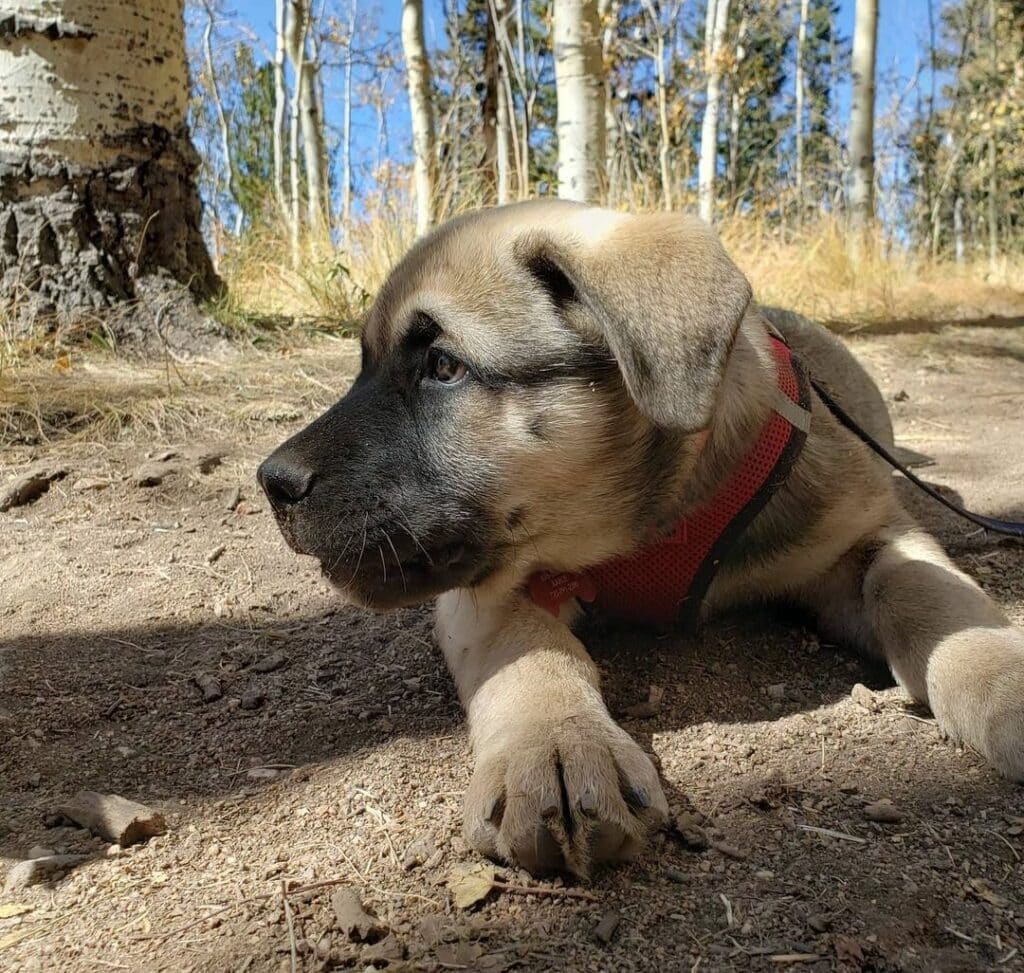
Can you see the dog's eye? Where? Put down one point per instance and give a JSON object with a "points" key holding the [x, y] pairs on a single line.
{"points": [[444, 368]]}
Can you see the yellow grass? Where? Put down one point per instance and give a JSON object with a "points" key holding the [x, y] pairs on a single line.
{"points": [[811, 271]]}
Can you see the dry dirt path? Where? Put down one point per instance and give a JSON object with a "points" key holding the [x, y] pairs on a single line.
{"points": [[336, 750]]}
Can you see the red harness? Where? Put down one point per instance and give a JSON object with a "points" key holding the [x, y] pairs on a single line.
{"points": [[665, 582]]}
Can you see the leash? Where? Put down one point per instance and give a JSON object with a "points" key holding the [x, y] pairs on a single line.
{"points": [[1011, 528]]}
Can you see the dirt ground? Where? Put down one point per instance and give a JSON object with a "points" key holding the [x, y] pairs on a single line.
{"points": [[336, 752]]}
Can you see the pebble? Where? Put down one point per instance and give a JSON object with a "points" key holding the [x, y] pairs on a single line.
{"points": [[864, 697], [884, 812], [776, 691], [36, 870], [270, 663], [252, 699], [605, 929], [210, 686]]}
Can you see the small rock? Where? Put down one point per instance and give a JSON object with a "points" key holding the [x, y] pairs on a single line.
{"points": [[210, 686], [776, 691], [270, 663], [37, 870], [353, 919], [651, 707], [389, 949], [231, 498], [674, 875], [884, 812], [901, 396], [863, 696], [264, 773], [605, 929], [115, 818], [216, 554], [251, 699], [30, 485], [152, 474], [418, 852], [38, 851], [819, 923], [207, 460], [90, 483]]}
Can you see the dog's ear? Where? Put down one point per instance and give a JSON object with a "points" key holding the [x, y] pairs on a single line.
{"points": [[660, 291]]}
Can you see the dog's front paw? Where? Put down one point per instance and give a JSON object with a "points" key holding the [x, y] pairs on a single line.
{"points": [[562, 795], [976, 690]]}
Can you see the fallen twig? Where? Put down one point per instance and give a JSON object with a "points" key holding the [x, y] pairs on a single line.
{"points": [[829, 833], [291, 926], [541, 890]]}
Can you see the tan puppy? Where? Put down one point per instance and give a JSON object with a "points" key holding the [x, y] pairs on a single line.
{"points": [[548, 386]]}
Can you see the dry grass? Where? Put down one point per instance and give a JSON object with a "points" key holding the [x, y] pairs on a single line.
{"points": [[810, 271], [813, 272], [89, 396]]}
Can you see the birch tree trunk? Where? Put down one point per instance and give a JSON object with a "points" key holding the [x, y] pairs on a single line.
{"points": [[498, 11], [280, 111], [801, 42], [346, 138], [958, 228], [304, 100], [862, 118], [579, 82], [422, 110], [98, 201], [608, 13], [714, 38], [222, 122], [993, 171]]}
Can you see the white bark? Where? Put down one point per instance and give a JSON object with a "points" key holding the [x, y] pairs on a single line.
{"points": [[958, 228], [801, 43], [862, 116], [222, 122], [346, 147], [714, 39], [580, 86], [280, 111], [304, 103], [421, 107], [93, 99]]}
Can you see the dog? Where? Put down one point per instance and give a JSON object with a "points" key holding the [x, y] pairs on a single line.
{"points": [[548, 388]]}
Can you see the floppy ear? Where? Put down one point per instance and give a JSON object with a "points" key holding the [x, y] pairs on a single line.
{"points": [[661, 292]]}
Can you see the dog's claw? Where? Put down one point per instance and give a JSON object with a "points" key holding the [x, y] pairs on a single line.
{"points": [[563, 797]]}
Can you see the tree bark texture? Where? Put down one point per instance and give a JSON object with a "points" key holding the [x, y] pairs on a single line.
{"points": [[422, 111], [97, 171], [862, 116], [708, 163], [579, 80]]}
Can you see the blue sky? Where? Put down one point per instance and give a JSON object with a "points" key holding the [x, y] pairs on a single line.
{"points": [[902, 40]]}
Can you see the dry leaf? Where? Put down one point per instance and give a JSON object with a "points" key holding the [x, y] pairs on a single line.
{"points": [[470, 884], [14, 909]]}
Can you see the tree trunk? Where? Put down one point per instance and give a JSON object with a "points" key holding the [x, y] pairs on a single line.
{"points": [[579, 81], [735, 112], [422, 109], [862, 118], [489, 110], [98, 201], [280, 111], [222, 122], [307, 114], [714, 37], [801, 43], [958, 228], [608, 15], [346, 148], [993, 171]]}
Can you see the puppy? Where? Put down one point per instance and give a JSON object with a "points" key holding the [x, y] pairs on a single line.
{"points": [[550, 388]]}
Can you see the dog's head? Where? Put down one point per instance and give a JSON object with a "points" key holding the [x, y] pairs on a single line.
{"points": [[531, 378]]}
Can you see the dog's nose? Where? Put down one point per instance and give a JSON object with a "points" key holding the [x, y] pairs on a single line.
{"points": [[285, 478]]}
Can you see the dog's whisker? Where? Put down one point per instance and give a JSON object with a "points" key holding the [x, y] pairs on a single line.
{"points": [[398, 560]]}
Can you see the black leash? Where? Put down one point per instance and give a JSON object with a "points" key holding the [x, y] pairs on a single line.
{"points": [[1011, 528]]}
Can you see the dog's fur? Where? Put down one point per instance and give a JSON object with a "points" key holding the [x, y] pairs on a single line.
{"points": [[617, 369]]}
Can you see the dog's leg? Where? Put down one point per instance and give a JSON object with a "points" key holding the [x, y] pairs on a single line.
{"points": [[945, 640], [557, 783]]}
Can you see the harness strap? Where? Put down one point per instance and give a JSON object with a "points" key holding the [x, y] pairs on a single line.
{"points": [[665, 582], [1012, 528]]}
